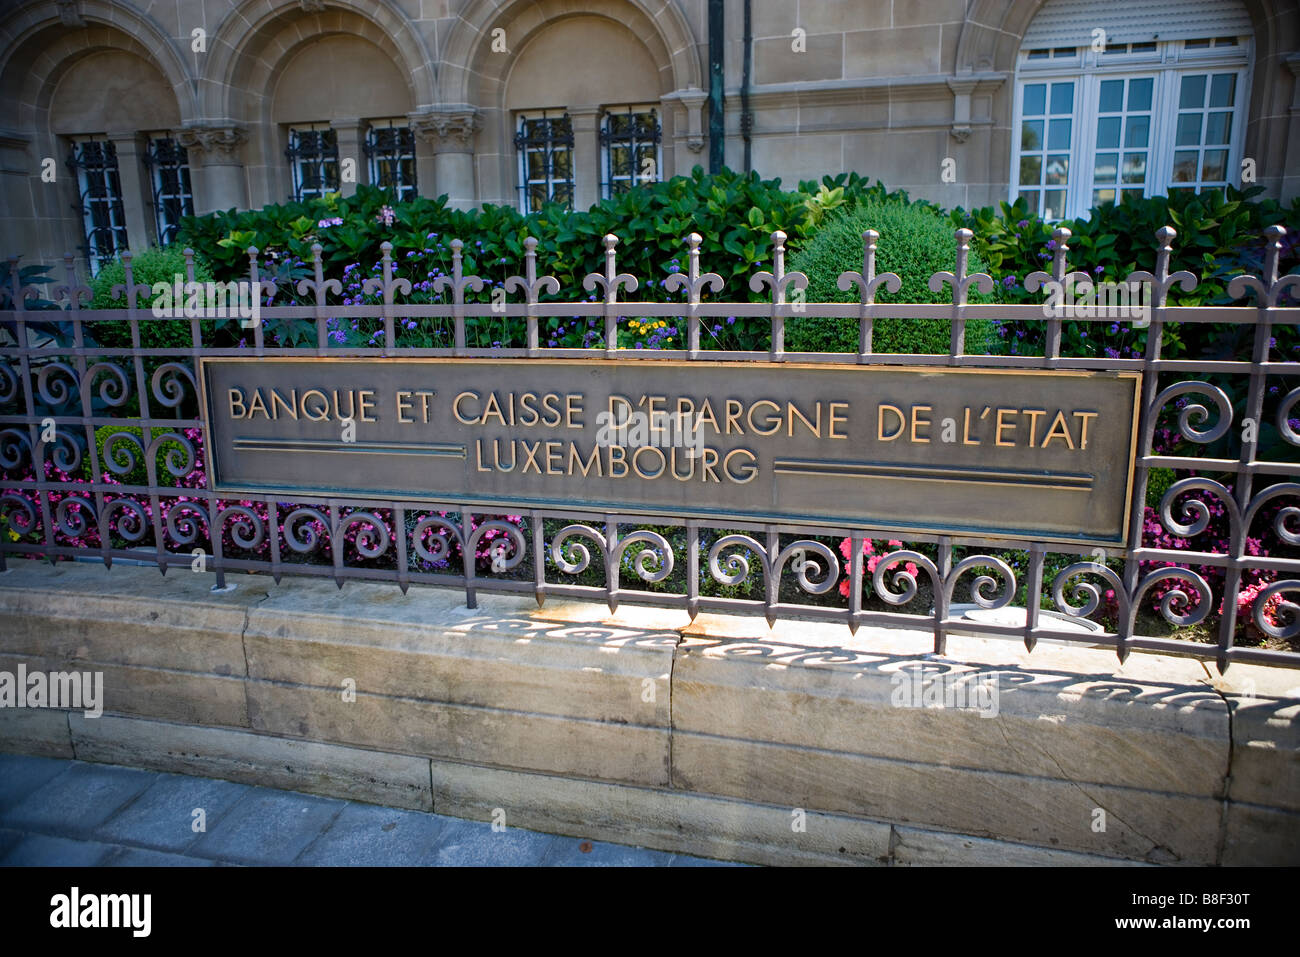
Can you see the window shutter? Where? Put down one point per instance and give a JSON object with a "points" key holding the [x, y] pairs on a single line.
{"points": [[1069, 23]]}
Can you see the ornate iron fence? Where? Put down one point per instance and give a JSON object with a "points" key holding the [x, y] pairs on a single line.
{"points": [[60, 385]]}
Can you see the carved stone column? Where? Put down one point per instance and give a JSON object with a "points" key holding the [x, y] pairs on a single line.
{"points": [[216, 166], [586, 156], [691, 134], [447, 138], [137, 196], [350, 135]]}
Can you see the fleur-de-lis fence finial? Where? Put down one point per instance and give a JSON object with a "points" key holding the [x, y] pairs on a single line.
{"points": [[532, 287], [258, 286], [867, 282], [319, 286], [694, 284], [1055, 283], [386, 285], [75, 291], [778, 280], [960, 283], [1268, 289], [20, 292], [130, 288], [609, 283], [1161, 280], [458, 282]]}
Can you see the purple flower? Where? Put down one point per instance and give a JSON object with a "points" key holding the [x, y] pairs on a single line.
{"points": [[1051, 244], [1022, 224]]}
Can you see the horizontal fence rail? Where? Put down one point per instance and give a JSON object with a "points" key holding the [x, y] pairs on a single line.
{"points": [[71, 489]]}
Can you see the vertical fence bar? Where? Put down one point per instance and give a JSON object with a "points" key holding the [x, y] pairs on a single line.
{"points": [[539, 552], [1033, 594], [692, 568]]}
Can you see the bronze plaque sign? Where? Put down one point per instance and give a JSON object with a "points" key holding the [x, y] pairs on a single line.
{"points": [[1039, 454]]}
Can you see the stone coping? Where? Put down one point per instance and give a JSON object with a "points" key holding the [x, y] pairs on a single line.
{"points": [[667, 724]]}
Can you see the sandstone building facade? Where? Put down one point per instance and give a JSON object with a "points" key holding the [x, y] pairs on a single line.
{"points": [[118, 116]]}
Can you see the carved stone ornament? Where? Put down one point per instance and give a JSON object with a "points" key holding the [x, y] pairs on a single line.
{"points": [[213, 145], [449, 131]]}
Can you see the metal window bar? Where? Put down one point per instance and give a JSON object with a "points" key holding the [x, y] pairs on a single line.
{"points": [[390, 153], [94, 162], [545, 145], [630, 141], [48, 516], [313, 155], [169, 179]]}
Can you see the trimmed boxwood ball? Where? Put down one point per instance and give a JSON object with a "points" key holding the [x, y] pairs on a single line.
{"points": [[914, 243], [155, 264]]}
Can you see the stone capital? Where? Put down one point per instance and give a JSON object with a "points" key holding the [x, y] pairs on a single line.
{"points": [[448, 131], [693, 99], [213, 145]]}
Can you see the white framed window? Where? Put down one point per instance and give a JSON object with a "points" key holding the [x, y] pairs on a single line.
{"points": [[99, 188], [1130, 116], [630, 148], [544, 142], [168, 164], [313, 156], [390, 156]]}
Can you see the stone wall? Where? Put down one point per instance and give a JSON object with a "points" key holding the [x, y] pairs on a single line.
{"points": [[889, 88], [719, 737]]}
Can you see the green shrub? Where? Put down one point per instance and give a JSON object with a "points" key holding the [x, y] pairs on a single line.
{"points": [[915, 242], [155, 264], [138, 475]]}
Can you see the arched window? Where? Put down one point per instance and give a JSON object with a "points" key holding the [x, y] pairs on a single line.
{"points": [[1117, 100]]}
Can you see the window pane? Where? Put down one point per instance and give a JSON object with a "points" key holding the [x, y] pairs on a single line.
{"points": [[1112, 96], [1054, 204], [1218, 127], [1058, 169], [1031, 135], [1189, 129], [1135, 168], [1130, 194], [1221, 89], [1139, 94], [1185, 166], [1031, 200], [1035, 99], [1062, 98], [1058, 134], [561, 163], [1216, 165], [1108, 132], [1100, 196], [1192, 95], [1106, 168], [536, 164], [1031, 170], [1136, 129]]}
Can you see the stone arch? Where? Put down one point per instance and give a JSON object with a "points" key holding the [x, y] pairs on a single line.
{"points": [[38, 49], [251, 33], [474, 77], [238, 88], [468, 52]]}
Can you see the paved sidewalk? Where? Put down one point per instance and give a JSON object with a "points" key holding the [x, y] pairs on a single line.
{"points": [[56, 812]]}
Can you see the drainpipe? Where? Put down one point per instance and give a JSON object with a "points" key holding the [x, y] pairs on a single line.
{"points": [[746, 117], [716, 129]]}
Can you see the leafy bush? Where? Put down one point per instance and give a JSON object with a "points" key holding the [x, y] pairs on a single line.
{"points": [[155, 264], [139, 474], [734, 213], [915, 242]]}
